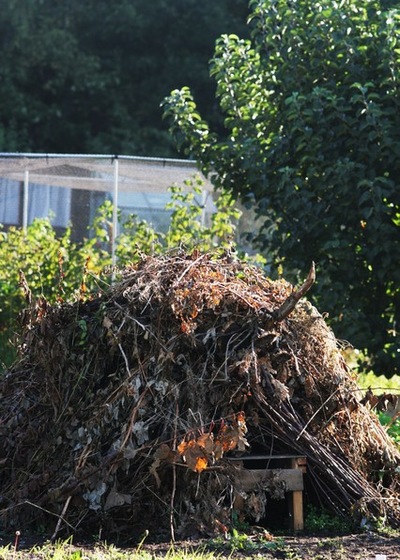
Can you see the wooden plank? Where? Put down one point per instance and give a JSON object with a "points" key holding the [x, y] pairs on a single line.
{"points": [[299, 463], [265, 457], [297, 520], [250, 479]]}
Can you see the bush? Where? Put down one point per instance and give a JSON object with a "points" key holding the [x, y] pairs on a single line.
{"points": [[312, 137]]}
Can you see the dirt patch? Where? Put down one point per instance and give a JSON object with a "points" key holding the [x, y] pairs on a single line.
{"points": [[320, 547]]}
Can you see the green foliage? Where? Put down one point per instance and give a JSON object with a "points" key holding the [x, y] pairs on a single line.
{"points": [[52, 267], [59, 270], [187, 229], [379, 384], [322, 521], [187, 226], [245, 543], [89, 76], [393, 428], [312, 136]]}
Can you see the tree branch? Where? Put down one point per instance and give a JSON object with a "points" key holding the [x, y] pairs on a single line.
{"points": [[290, 303]]}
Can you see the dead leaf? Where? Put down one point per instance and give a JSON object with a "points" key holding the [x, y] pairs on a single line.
{"points": [[193, 455], [162, 453], [115, 499], [206, 441]]}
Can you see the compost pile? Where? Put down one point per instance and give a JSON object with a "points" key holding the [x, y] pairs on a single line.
{"points": [[123, 410]]}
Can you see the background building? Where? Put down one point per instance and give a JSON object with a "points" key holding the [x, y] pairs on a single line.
{"points": [[68, 189]]}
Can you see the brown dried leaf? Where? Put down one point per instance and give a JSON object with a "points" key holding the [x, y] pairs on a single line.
{"points": [[193, 455]]}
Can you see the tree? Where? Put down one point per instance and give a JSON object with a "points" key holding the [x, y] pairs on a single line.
{"points": [[79, 77], [312, 135]]}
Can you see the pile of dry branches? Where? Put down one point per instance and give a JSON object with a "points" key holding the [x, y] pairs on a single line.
{"points": [[123, 408]]}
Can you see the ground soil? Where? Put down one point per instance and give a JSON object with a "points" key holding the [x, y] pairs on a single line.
{"points": [[306, 547], [365, 546]]}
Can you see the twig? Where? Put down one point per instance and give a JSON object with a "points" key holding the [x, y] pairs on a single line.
{"points": [[61, 518], [27, 502], [316, 412], [132, 419], [125, 359], [173, 491], [290, 303], [143, 327], [191, 265]]}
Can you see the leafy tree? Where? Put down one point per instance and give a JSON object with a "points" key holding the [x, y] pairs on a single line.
{"points": [[312, 135], [79, 77]]}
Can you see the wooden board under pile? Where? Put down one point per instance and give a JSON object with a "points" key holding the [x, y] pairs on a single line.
{"points": [[122, 410]]}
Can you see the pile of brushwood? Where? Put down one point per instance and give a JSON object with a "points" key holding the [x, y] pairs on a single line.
{"points": [[124, 407]]}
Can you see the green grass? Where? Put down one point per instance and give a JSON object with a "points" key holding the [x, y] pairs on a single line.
{"points": [[249, 542], [235, 545], [67, 551], [381, 384]]}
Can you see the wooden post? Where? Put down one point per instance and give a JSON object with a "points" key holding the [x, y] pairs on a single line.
{"points": [[297, 520]]}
